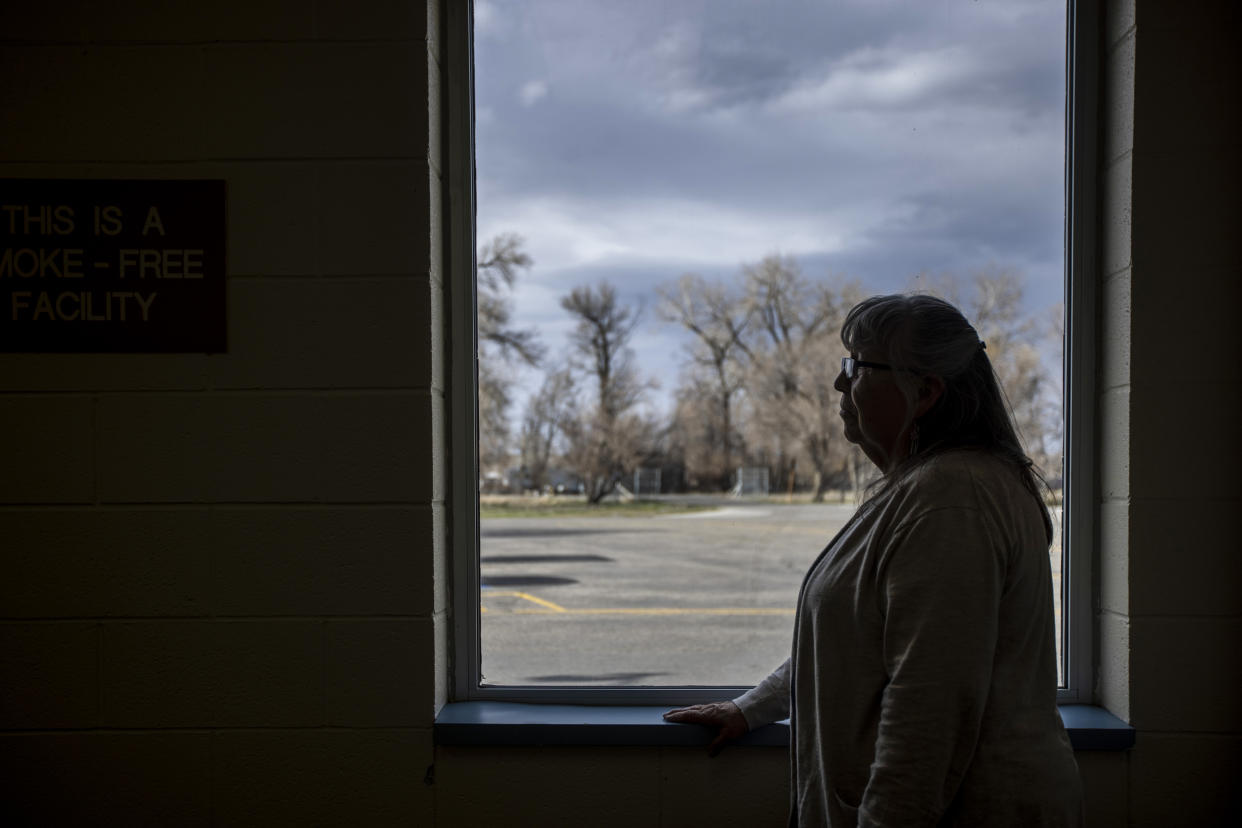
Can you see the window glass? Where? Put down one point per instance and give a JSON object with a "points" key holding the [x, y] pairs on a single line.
{"points": [[676, 204]]}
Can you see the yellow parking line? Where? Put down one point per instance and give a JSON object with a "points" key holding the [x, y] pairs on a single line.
{"points": [[549, 608], [663, 611], [528, 597]]}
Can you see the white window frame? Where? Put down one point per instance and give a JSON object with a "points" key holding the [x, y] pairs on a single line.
{"points": [[1079, 447]]}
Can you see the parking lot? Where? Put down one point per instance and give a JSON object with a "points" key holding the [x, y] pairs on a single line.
{"points": [[702, 598], [696, 598]]}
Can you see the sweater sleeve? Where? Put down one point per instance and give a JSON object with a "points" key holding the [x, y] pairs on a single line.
{"points": [[768, 701], [939, 591]]}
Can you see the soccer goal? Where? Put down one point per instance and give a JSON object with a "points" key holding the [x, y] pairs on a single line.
{"points": [[751, 480], [646, 481]]}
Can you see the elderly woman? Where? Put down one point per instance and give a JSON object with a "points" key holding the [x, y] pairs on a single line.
{"points": [[921, 689]]}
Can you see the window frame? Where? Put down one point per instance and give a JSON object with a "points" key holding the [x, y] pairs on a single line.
{"points": [[459, 210], [1078, 533]]}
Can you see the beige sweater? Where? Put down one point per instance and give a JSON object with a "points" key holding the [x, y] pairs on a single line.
{"points": [[923, 676]]}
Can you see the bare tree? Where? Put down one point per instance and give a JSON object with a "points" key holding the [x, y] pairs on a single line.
{"points": [[714, 378], [501, 344], [1053, 330], [704, 434], [609, 438], [794, 355], [547, 414], [992, 299], [499, 263]]}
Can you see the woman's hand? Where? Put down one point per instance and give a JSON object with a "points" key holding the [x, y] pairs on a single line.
{"points": [[724, 716]]}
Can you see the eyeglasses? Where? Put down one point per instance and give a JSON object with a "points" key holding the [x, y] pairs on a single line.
{"points": [[850, 366]]}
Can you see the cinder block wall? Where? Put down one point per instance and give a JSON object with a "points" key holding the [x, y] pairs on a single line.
{"points": [[1170, 404], [221, 577], [217, 600]]}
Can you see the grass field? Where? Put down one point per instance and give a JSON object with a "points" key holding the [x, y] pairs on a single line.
{"points": [[517, 506]]}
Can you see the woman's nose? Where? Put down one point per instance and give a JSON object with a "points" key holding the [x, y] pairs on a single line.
{"points": [[841, 383]]}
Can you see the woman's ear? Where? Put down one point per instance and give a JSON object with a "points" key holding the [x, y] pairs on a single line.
{"points": [[930, 390]]}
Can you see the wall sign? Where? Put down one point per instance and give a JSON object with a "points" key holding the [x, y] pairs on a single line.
{"points": [[92, 266]]}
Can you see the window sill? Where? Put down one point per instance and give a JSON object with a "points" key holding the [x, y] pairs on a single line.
{"points": [[510, 723]]}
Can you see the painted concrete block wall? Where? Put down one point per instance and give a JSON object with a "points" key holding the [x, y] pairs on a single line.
{"points": [[1113, 386], [612, 787], [219, 578], [222, 589], [1170, 402], [1185, 571]]}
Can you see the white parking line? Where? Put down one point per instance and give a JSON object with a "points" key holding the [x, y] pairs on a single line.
{"points": [[726, 512]]}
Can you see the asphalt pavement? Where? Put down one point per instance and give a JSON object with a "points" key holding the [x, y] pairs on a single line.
{"points": [[701, 598]]}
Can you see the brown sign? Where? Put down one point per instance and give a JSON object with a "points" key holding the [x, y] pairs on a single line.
{"points": [[93, 266]]}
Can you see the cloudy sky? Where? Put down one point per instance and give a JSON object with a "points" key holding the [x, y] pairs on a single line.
{"points": [[869, 139]]}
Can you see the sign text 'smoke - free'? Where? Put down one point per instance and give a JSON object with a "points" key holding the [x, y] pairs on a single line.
{"points": [[94, 266]]}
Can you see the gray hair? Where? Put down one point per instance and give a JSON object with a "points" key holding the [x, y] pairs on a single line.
{"points": [[926, 336]]}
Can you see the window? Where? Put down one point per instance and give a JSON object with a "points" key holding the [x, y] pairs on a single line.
{"points": [[628, 594], [1079, 361]]}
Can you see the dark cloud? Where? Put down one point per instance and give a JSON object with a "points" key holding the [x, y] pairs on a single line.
{"points": [[636, 141]]}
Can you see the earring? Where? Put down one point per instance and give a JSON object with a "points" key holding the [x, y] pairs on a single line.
{"points": [[914, 438]]}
